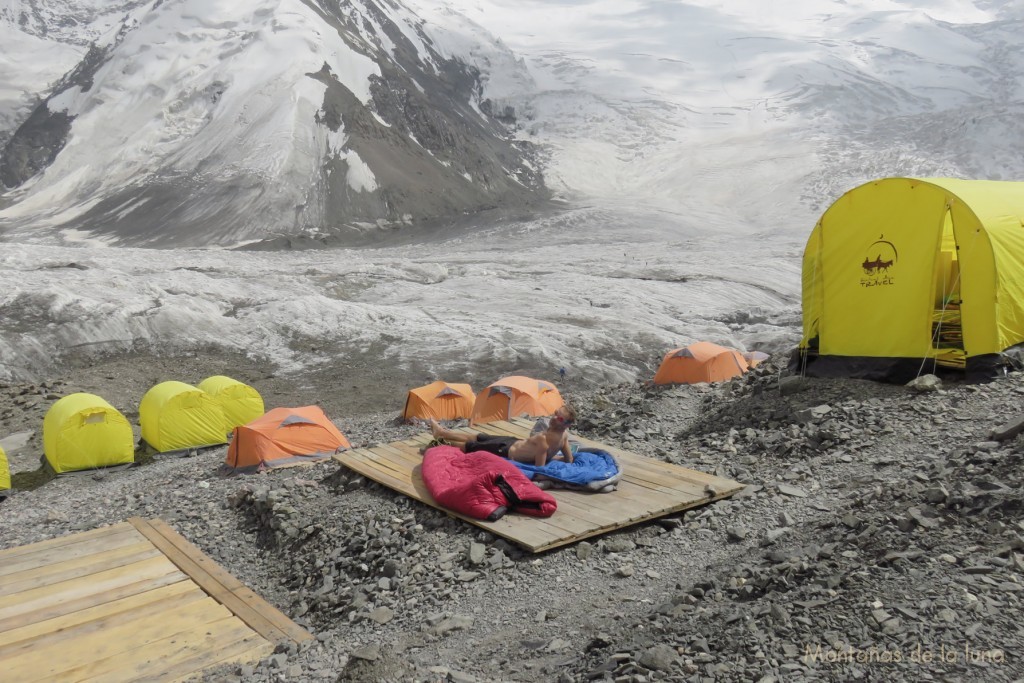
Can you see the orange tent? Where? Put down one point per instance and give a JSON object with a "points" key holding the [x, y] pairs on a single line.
{"points": [[284, 437], [700, 362], [439, 400], [516, 396]]}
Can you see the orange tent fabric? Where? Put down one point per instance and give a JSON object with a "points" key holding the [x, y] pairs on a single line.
{"points": [[700, 362], [439, 400], [516, 396], [284, 437]]}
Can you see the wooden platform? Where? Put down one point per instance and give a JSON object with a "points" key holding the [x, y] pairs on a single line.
{"points": [[130, 602], [649, 489]]}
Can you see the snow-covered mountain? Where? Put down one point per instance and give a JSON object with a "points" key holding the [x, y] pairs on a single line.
{"points": [[203, 123], [692, 145]]}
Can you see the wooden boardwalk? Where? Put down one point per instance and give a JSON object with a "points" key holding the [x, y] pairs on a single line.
{"points": [[130, 602], [649, 489]]}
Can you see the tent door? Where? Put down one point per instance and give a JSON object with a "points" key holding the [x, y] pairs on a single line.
{"points": [[947, 333]]}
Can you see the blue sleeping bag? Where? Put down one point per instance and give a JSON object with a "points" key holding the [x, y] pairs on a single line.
{"points": [[592, 469]]}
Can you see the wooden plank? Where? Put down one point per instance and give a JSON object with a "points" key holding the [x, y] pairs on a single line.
{"points": [[200, 637], [81, 566], [260, 615], [59, 609], [247, 651], [9, 553], [100, 618], [181, 655], [70, 653], [649, 489], [44, 597], [46, 552], [96, 613]]}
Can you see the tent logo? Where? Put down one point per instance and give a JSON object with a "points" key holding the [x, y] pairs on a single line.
{"points": [[879, 260]]}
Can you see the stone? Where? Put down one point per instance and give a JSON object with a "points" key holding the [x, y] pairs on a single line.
{"points": [[794, 491], [735, 534], [477, 553], [382, 615], [924, 384], [661, 657]]}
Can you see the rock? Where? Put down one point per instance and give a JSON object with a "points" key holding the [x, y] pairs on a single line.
{"points": [[382, 615], [477, 553], [625, 571], [454, 623], [369, 653], [925, 383], [584, 550], [794, 491], [735, 534], [661, 657], [618, 545]]}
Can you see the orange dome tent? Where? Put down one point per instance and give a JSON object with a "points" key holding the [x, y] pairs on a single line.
{"points": [[284, 437], [516, 396], [439, 400], [700, 362]]}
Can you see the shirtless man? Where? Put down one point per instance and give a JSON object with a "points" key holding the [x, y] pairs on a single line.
{"points": [[536, 449]]}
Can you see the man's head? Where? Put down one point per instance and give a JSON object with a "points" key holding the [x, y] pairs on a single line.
{"points": [[563, 417]]}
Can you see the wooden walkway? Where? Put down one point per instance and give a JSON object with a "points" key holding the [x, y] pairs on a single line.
{"points": [[130, 602], [649, 489]]}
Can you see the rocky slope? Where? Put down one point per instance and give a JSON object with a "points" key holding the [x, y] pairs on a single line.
{"points": [[879, 538]]}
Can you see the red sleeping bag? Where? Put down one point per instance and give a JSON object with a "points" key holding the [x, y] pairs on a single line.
{"points": [[482, 485]]}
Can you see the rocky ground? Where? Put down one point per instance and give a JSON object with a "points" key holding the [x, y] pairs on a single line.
{"points": [[879, 537]]}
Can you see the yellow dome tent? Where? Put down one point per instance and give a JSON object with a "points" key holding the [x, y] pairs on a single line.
{"points": [[240, 402], [5, 475], [83, 432], [901, 275], [175, 416]]}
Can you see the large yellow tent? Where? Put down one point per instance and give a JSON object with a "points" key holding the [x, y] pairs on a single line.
{"points": [[5, 475], [901, 275], [82, 431], [175, 416], [516, 396], [240, 402], [440, 401]]}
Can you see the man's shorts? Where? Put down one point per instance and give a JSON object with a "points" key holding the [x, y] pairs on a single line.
{"points": [[490, 443]]}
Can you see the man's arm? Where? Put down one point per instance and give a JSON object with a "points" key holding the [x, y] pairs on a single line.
{"points": [[566, 448]]}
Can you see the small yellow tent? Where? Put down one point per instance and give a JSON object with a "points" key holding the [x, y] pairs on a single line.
{"points": [[440, 401], [175, 416], [83, 431], [5, 475], [240, 402], [901, 275]]}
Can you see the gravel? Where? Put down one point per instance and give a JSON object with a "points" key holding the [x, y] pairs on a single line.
{"points": [[879, 536]]}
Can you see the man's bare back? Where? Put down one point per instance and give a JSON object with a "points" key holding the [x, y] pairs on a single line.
{"points": [[536, 449]]}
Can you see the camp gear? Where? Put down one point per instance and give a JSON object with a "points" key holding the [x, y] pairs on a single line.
{"points": [[700, 362], [240, 403], [515, 396], [5, 475], [901, 275], [481, 485], [439, 401], [177, 416], [284, 437], [82, 432], [592, 469]]}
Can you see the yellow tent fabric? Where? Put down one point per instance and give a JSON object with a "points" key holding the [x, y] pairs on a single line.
{"points": [[5, 474], [175, 416], [82, 431], [240, 402], [903, 274]]}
